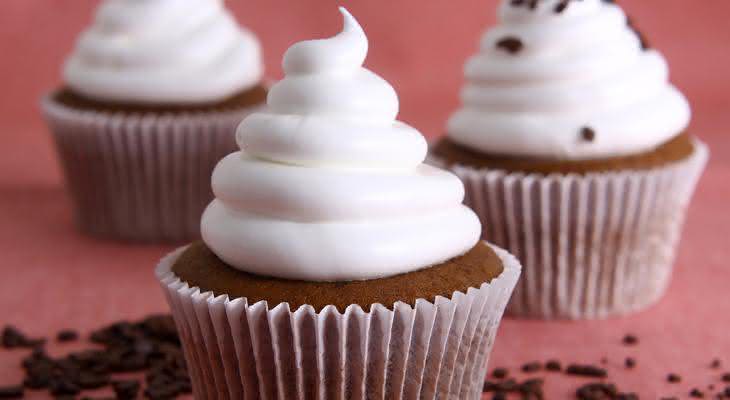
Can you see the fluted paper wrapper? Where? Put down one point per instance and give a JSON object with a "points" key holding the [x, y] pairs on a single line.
{"points": [[141, 177], [592, 246], [237, 350]]}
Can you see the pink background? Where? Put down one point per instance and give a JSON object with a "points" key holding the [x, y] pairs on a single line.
{"points": [[51, 277]]}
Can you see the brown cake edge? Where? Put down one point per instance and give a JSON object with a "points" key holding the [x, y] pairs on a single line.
{"points": [[199, 267], [679, 148], [246, 98]]}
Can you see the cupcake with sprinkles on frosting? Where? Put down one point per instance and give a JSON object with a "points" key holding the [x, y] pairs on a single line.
{"points": [[576, 154], [334, 262], [151, 97]]}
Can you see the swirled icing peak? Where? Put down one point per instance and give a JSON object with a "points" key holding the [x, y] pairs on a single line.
{"points": [[552, 69], [164, 52], [328, 185]]}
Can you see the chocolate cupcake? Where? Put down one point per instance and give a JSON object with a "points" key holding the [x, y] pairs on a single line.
{"points": [[575, 153], [334, 263], [151, 98]]}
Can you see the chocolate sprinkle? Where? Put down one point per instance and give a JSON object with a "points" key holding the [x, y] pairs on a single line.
{"points": [[587, 134], [151, 346], [602, 391], [562, 6], [716, 363], [642, 38], [696, 393], [726, 377], [553, 365], [586, 370], [510, 44], [530, 389], [67, 336], [630, 363], [674, 378], [13, 338], [630, 340], [500, 373], [11, 392], [531, 367]]}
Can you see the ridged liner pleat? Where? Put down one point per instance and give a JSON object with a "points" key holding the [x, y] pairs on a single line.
{"points": [[140, 177], [593, 245], [435, 350]]}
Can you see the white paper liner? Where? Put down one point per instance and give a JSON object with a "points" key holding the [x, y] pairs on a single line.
{"points": [[141, 177], [237, 350], [592, 246]]}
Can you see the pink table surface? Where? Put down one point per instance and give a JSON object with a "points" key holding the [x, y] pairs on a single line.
{"points": [[51, 277]]}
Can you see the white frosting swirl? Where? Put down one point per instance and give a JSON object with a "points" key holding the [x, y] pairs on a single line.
{"points": [[164, 51], [583, 67], [328, 185]]}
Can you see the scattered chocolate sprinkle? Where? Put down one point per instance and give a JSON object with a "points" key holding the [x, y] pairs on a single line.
{"points": [[500, 373], [727, 391], [586, 370], [532, 4], [630, 363], [531, 367], [629, 339], [602, 391], [726, 377], [510, 44], [517, 3], [716, 363], [151, 346], [11, 392], [696, 393], [126, 389], [13, 338], [604, 360], [530, 389], [67, 336], [553, 365], [587, 134], [499, 396], [674, 378]]}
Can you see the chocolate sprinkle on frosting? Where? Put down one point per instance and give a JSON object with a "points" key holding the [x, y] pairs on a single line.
{"points": [[588, 134], [642, 38], [510, 44], [560, 7]]}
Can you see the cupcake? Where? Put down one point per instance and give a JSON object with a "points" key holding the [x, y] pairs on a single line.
{"points": [[334, 263], [575, 153], [151, 99]]}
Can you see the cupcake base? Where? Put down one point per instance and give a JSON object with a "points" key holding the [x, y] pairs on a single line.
{"points": [[593, 245], [432, 349], [140, 176]]}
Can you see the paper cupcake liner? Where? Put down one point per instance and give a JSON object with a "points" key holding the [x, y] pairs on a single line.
{"points": [[237, 350], [142, 177], [591, 246]]}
